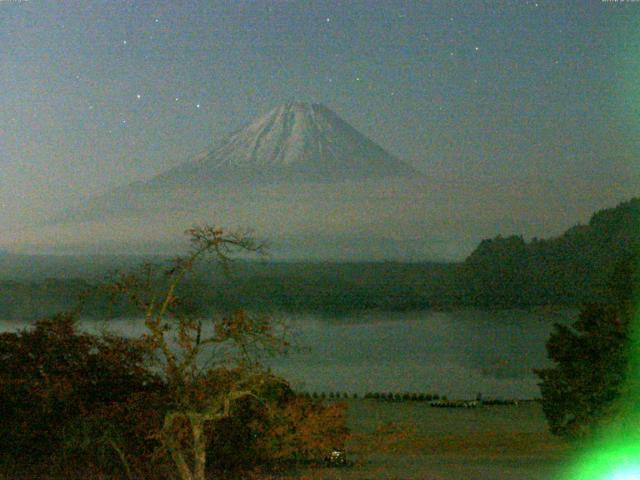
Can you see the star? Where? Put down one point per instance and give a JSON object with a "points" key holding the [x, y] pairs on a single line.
{"points": [[157, 20], [124, 42], [177, 99], [197, 105], [327, 19], [477, 48], [138, 96], [357, 79]]}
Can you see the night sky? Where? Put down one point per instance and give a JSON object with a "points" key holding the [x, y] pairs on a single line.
{"points": [[99, 94]]}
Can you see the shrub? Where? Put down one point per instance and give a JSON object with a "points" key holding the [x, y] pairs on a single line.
{"points": [[53, 378], [591, 359]]}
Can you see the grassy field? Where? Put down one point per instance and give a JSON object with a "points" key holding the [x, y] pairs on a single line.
{"points": [[411, 440]]}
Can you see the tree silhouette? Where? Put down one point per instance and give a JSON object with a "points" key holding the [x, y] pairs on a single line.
{"points": [[201, 390], [591, 358]]}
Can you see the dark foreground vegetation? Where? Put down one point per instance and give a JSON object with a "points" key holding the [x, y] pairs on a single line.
{"points": [[189, 399], [81, 406], [593, 373], [504, 272]]}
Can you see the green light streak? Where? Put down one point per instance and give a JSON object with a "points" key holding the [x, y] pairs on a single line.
{"points": [[609, 461], [614, 453]]}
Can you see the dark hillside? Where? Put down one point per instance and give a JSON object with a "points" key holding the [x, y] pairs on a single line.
{"points": [[570, 269]]}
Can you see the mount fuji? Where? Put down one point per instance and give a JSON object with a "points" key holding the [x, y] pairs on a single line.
{"points": [[296, 146], [294, 142], [300, 176]]}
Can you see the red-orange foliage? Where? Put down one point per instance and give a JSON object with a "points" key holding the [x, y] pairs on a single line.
{"points": [[302, 430], [51, 377]]}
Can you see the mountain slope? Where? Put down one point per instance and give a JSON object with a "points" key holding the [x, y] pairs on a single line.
{"points": [[295, 141], [293, 145]]}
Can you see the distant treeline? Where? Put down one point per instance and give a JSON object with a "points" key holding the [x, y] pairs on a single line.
{"points": [[503, 272], [388, 396], [331, 288], [434, 399]]}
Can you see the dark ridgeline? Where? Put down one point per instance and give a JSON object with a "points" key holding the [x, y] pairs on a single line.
{"points": [[571, 269]]}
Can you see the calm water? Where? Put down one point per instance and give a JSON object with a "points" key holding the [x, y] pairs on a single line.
{"points": [[458, 353]]}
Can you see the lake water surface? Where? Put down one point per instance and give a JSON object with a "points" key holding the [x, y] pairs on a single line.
{"points": [[458, 354]]}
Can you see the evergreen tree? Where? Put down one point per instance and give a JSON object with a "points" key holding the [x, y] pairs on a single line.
{"points": [[591, 358]]}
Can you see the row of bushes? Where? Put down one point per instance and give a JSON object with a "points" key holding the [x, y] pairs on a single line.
{"points": [[399, 397], [388, 396], [404, 397]]}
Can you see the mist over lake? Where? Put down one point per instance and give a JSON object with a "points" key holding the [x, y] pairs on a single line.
{"points": [[459, 353]]}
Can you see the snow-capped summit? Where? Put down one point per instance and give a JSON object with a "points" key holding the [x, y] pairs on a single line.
{"points": [[292, 170], [295, 141]]}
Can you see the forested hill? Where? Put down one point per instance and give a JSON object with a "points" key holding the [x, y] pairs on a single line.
{"points": [[573, 268]]}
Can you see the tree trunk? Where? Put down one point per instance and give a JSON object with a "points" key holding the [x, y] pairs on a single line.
{"points": [[199, 447], [168, 436], [183, 469]]}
